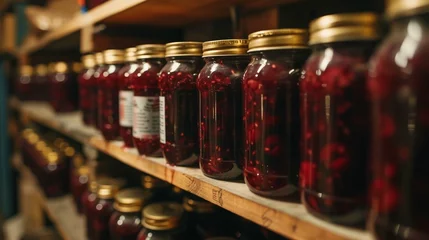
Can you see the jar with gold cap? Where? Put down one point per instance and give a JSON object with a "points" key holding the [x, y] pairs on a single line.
{"points": [[88, 200], [78, 184], [162, 221], [178, 103], [24, 85], [108, 92], [88, 91], [398, 86], [144, 81], [102, 209], [271, 110], [221, 108], [125, 223], [52, 173], [41, 83], [335, 115], [126, 97], [99, 69], [64, 89]]}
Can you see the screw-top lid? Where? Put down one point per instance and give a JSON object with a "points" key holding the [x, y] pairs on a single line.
{"points": [[60, 67], [177, 49], [131, 54], [84, 170], [198, 205], [88, 61], [69, 151], [108, 187], [40, 145], [114, 56], [287, 38], [26, 70], [131, 200], [400, 8], [99, 58], [149, 182], [50, 155], [162, 216], [41, 70], [33, 138], [92, 186], [225, 47], [150, 51], [344, 27]]}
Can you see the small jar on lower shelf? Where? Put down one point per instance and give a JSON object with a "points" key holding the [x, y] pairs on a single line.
{"points": [[162, 221], [88, 201], [53, 174], [78, 184]]}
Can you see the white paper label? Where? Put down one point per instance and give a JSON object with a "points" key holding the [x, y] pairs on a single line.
{"points": [[126, 108], [145, 116], [162, 119]]}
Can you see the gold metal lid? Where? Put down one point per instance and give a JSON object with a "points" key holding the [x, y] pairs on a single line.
{"points": [[130, 54], [149, 182], [40, 146], [84, 170], [69, 151], [33, 138], [199, 206], [162, 216], [177, 49], [60, 67], [92, 186], [51, 156], [77, 67], [107, 188], [99, 58], [225, 47], [41, 70], [287, 38], [131, 200], [400, 8], [26, 70], [88, 61], [114, 56], [150, 51], [344, 27]]}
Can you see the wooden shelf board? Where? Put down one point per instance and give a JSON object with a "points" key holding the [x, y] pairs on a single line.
{"points": [[286, 218]]}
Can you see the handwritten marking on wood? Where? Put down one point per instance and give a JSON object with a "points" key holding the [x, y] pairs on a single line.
{"points": [[194, 185], [217, 196], [267, 217]]}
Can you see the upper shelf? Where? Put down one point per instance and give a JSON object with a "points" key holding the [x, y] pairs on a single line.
{"points": [[149, 12], [286, 218]]}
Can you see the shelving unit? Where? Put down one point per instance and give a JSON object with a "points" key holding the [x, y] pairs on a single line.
{"points": [[286, 218]]}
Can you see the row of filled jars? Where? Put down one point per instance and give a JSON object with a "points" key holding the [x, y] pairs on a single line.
{"points": [[55, 83]]}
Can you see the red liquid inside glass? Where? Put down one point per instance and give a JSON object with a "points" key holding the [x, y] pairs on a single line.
{"points": [[399, 90], [64, 92], [146, 106], [125, 226], [88, 205], [179, 103], [102, 211], [272, 123], [147, 234], [78, 184], [108, 102], [88, 96], [126, 104], [53, 178], [221, 116], [41, 87], [335, 114]]}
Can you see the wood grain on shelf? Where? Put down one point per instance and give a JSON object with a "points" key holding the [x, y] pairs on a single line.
{"points": [[289, 219]]}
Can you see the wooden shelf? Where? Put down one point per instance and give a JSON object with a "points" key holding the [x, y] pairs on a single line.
{"points": [[61, 210], [286, 218]]}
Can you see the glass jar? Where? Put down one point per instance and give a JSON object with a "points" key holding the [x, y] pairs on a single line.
{"points": [[108, 92], [41, 83], [52, 173], [103, 208], [99, 69], [64, 89], [399, 88], [162, 221], [88, 91], [221, 108], [336, 117], [271, 111], [126, 97], [150, 59], [78, 184], [125, 223], [88, 201], [24, 85], [179, 103]]}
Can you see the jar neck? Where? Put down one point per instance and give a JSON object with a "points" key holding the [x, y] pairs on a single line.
{"points": [[299, 55], [184, 58], [401, 24], [150, 60], [234, 58], [352, 48]]}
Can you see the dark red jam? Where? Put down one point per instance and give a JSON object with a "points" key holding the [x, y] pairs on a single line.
{"points": [[179, 110], [126, 98], [108, 92], [64, 89], [147, 234], [52, 174], [24, 85], [146, 99], [221, 116], [399, 90], [272, 132], [79, 184], [88, 91], [88, 201]]}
